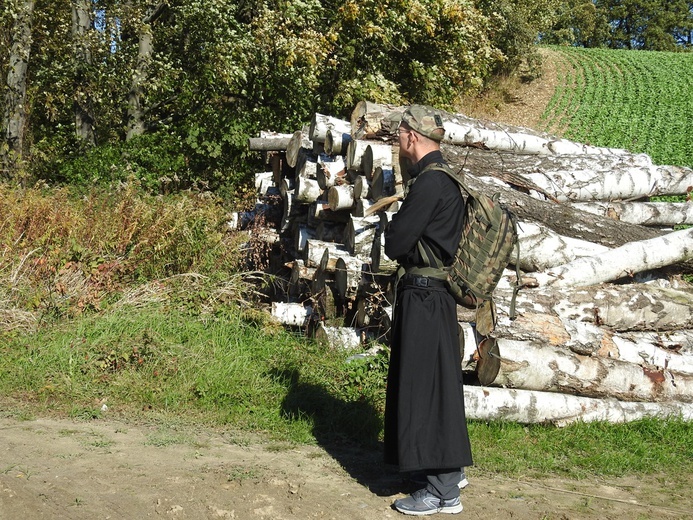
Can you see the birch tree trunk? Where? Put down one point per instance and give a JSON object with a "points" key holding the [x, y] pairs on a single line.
{"points": [[626, 307], [533, 366], [623, 261], [532, 407], [15, 113], [643, 213], [81, 27]]}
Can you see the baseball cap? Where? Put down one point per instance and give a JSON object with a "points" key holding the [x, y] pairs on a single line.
{"points": [[425, 120]]}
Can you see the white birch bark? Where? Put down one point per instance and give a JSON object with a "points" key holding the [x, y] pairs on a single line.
{"points": [[336, 143], [534, 366], [299, 144], [294, 314], [623, 307], [315, 249], [532, 407], [269, 142], [541, 248], [355, 152], [347, 276], [15, 112], [341, 197], [504, 141], [307, 190], [375, 155], [642, 213], [623, 181], [622, 261], [339, 337], [320, 124]]}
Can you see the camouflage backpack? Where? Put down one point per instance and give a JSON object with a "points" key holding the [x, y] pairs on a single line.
{"points": [[489, 237]]}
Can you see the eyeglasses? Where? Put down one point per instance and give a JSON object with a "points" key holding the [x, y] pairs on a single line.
{"points": [[401, 130]]}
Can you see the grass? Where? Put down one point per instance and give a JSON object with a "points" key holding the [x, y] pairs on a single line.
{"points": [[231, 367]]}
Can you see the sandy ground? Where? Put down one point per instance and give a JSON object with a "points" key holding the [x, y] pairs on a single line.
{"points": [[106, 469]]}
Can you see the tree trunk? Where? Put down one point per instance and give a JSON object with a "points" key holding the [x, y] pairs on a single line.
{"points": [[626, 307], [532, 407], [541, 248], [269, 142], [320, 124], [536, 366], [376, 156], [623, 261], [15, 114], [564, 219], [662, 214], [81, 27]]}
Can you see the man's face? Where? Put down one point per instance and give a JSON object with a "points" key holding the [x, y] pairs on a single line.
{"points": [[403, 137]]}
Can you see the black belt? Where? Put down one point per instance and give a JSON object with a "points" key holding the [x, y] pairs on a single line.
{"points": [[421, 281]]}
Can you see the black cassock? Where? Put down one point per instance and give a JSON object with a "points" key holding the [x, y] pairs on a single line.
{"points": [[425, 424]]}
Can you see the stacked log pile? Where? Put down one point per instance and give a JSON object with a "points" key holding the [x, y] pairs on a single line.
{"points": [[604, 326]]}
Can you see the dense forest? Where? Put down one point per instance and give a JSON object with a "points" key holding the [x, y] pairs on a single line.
{"points": [[168, 92]]}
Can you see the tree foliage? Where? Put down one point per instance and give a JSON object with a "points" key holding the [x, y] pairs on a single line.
{"points": [[659, 25], [198, 77]]}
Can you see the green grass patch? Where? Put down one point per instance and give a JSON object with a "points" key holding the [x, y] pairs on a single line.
{"points": [[229, 368]]}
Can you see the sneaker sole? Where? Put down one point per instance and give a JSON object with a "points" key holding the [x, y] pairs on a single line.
{"points": [[453, 510], [463, 483]]}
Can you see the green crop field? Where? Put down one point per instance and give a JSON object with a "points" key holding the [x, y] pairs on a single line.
{"points": [[638, 100]]}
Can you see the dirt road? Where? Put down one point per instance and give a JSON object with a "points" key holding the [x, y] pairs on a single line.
{"points": [[105, 469]]}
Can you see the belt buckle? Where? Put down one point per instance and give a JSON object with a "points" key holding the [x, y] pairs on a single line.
{"points": [[421, 281]]}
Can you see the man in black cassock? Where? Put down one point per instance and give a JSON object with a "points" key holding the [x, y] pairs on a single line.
{"points": [[425, 424]]}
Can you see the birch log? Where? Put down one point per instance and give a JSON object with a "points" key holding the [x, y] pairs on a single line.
{"points": [[375, 155], [354, 156], [307, 190], [384, 183], [621, 182], [336, 143], [532, 407], [623, 307], [341, 197], [320, 124], [339, 337], [294, 314], [369, 119], [541, 248], [562, 218], [587, 339], [534, 366], [347, 276], [299, 144], [643, 213], [359, 234], [269, 142], [330, 173], [622, 261], [315, 250]]}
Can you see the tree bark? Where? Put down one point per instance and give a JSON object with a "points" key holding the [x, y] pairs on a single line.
{"points": [[81, 26], [622, 261], [642, 213], [320, 124], [534, 366], [627, 307], [15, 114], [532, 407], [564, 219]]}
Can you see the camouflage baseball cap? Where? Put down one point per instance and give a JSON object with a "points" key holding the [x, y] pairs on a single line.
{"points": [[425, 120]]}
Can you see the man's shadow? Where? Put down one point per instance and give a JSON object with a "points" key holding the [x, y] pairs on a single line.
{"points": [[347, 431]]}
